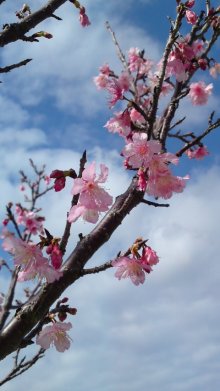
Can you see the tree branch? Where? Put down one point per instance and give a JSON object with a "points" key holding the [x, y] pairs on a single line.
{"points": [[13, 66], [15, 31]]}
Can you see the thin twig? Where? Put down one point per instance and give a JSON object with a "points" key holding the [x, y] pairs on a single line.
{"points": [[199, 138], [97, 269], [22, 366], [8, 298], [13, 66], [74, 201], [120, 53], [155, 204]]}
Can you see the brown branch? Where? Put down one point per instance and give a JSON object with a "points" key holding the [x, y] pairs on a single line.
{"points": [[97, 269], [13, 32], [155, 204], [8, 299], [13, 66]]}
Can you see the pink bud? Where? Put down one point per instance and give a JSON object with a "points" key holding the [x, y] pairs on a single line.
{"points": [[56, 174], [190, 3], [59, 184], [191, 17], [203, 63]]}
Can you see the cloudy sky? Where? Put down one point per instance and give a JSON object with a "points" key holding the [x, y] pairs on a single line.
{"points": [[164, 335]]}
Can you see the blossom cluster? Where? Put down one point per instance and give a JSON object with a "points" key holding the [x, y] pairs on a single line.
{"points": [[136, 266], [29, 258]]}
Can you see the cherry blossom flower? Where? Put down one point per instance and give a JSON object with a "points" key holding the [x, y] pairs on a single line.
{"points": [[47, 179], [136, 268], [134, 59], [198, 153], [149, 256], [129, 267], [60, 179], [33, 223], [55, 255], [30, 258], [158, 165], [199, 92], [142, 181], [83, 18], [117, 87], [55, 334], [120, 123], [92, 198], [165, 185], [215, 70], [191, 17], [139, 152], [136, 116], [190, 3], [41, 269], [101, 81]]}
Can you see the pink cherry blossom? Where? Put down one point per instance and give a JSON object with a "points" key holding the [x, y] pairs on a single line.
{"points": [[101, 81], [92, 198], [47, 179], [215, 70], [198, 153], [33, 223], [41, 269], [117, 88], [55, 255], [83, 18], [200, 92], [190, 3], [142, 181], [136, 116], [139, 152], [191, 17], [134, 59], [158, 166], [149, 256], [120, 124], [175, 67], [55, 334], [30, 258], [105, 69], [129, 267], [165, 185]]}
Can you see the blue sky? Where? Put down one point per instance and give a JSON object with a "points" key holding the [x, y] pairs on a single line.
{"points": [[164, 335]]}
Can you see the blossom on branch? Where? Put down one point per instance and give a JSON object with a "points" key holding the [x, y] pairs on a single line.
{"points": [[32, 222], [137, 266], [198, 153], [55, 334], [93, 199], [140, 151], [200, 92], [30, 259]]}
